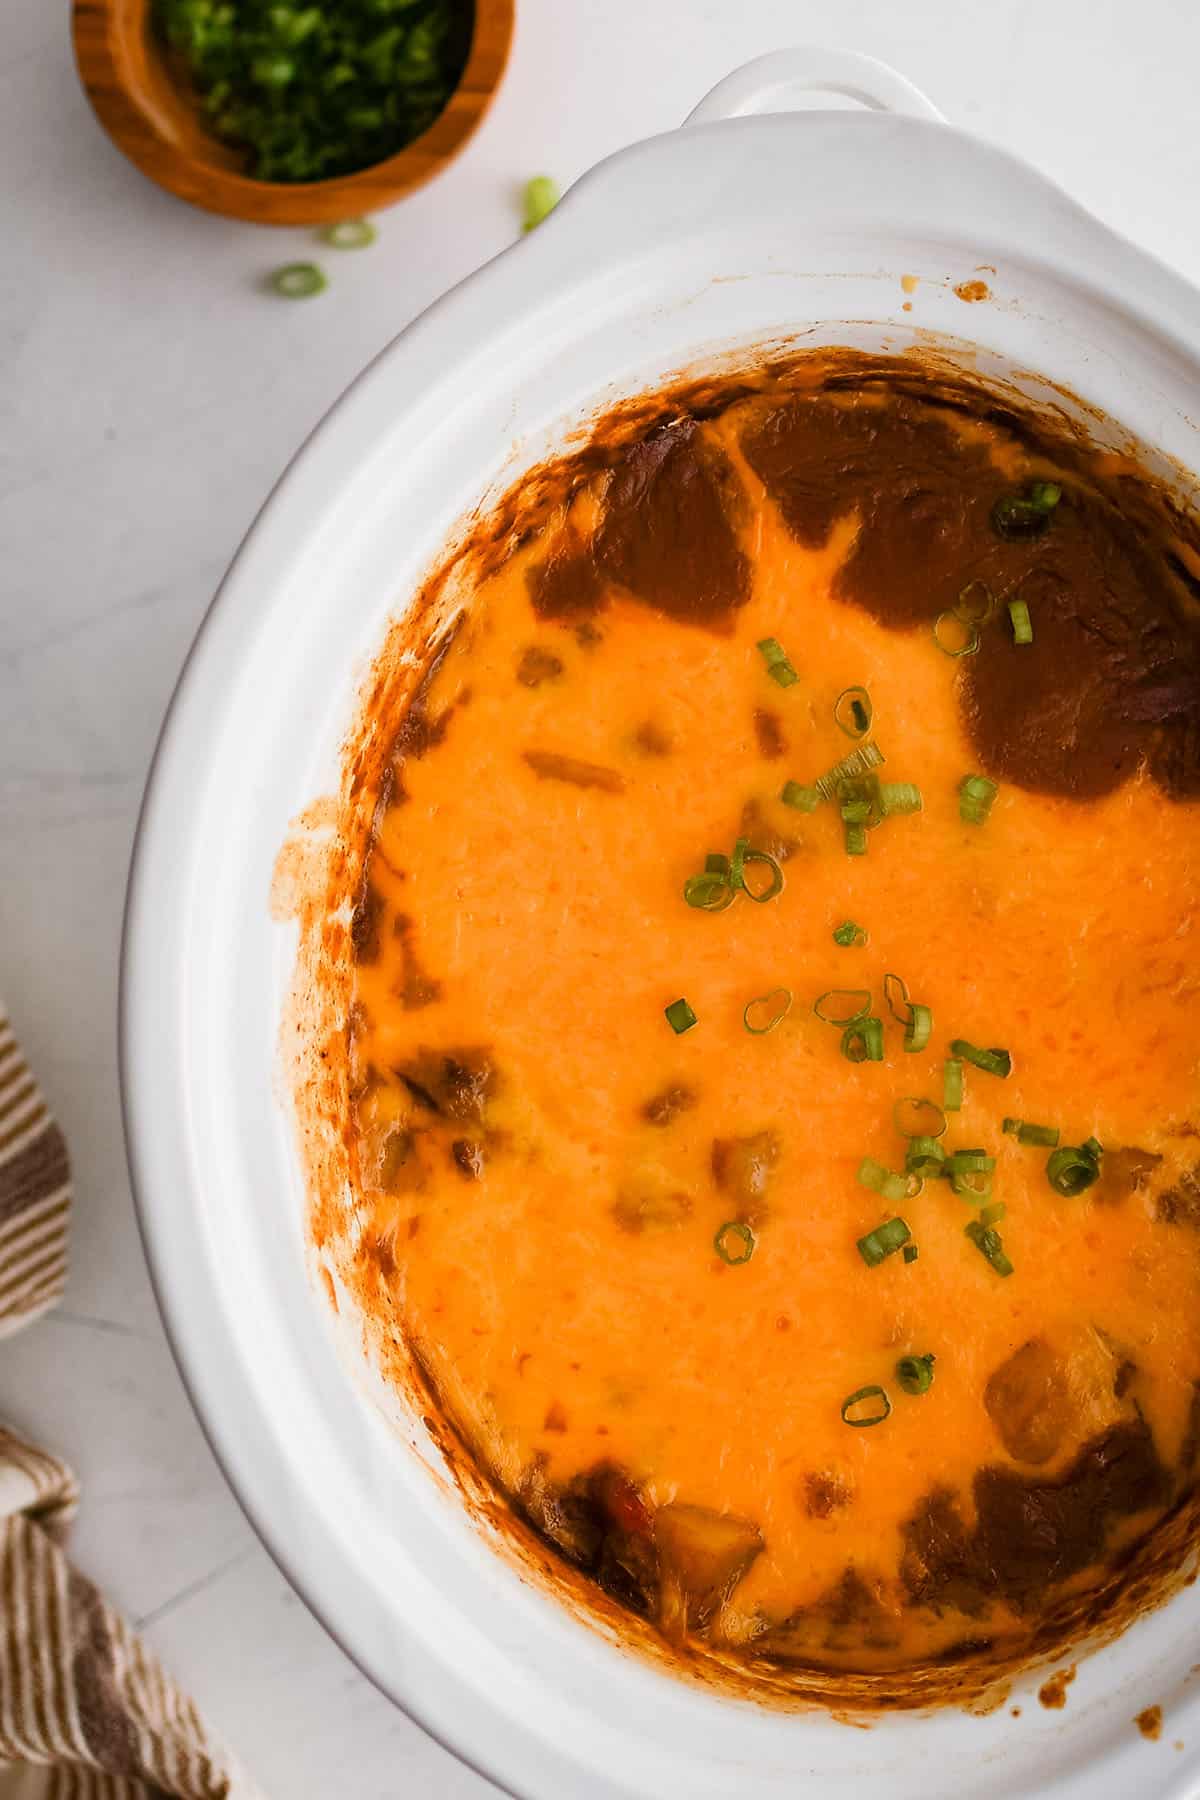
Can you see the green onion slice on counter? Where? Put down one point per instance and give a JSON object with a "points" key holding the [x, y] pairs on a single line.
{"points": [[915, 1373], [849, 935], [856, 838], [766, 1012], [992, 1062], [911, 1253], [952, 1084], [853, 712], [350, 234], [776, 658], [1072, 1169], [874, 1399], [679, 1016], [539, 200], [734, 1242], [299, 281]]}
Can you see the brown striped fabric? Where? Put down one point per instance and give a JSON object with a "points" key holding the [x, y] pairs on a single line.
{"points": [[86, 1713]]}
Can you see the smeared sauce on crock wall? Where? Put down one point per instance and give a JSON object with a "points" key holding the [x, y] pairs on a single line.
{"points": [[517, 1170]]}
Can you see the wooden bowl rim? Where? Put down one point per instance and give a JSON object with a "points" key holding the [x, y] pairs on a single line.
{"points": [[136, 133]]}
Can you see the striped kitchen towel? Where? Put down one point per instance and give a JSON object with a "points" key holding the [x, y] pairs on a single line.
{"points": [[86, 1713]]}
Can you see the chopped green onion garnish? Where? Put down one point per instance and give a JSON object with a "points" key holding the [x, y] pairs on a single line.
{"points": [[860, 800], [920, 1026], [1020, 516], [734, 1242], [925, 1157], [1022, 624], [883, 1241], [897, 797], [917, 1020], [708, 893], [539, 200], [1093, 1147], [842, 1006], [849, 935], [970, 1173], [915, 1374], [853, 712], [1046, 1135], [914, 1184], [952, 1084], [970, 1162], [884, 1182], [863, 1041], [881, 1406], [975, 796], [804, 799], [778, 666], [350, 234], [992, 1062], [992, 1215], [975, 604], [299, 281], [856, 838], [679, 1016], [954, 636], [895, 994], [769, 1010], [972, 1188], [915, 1118], [1070, 1170], [986, 1240], [858, 762], [743, 854], [911, 1253]]}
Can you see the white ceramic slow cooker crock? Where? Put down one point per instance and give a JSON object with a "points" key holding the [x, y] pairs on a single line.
{"points": [[737, 230]]}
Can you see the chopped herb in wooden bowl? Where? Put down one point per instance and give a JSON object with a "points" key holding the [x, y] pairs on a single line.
{"points": [[314, 92]]}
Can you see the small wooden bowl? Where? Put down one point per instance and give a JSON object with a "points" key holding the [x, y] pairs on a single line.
{"points": [[154, 120]]}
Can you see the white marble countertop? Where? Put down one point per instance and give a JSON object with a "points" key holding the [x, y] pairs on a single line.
{"points": [[149, 395]]}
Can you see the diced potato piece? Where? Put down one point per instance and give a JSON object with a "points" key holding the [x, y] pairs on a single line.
{"points": [[742, 1170], [702, 1557], [645, 1207], [1029, 1403]]}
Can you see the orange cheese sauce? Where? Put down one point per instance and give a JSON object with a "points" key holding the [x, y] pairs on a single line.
{"points": [[549, 1247]]}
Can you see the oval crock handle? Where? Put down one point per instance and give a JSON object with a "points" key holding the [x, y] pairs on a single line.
{"points": [[772, 82]]}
